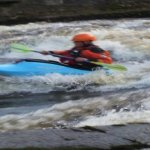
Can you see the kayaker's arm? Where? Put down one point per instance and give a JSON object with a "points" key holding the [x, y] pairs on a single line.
{"points": [[63, 53], [59, 52], [77, 59]]}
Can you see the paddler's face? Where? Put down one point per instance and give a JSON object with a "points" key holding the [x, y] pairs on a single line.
{"points": [[79, 44], [82, 44]]}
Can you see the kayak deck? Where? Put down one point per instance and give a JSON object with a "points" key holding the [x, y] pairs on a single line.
{"points": [[32, 67]]}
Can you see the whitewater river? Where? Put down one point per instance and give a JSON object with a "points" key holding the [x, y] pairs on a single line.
{"points": [[75, 101]]}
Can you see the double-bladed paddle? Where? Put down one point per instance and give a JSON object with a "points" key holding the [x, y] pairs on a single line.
{"points": [[26, 49]]}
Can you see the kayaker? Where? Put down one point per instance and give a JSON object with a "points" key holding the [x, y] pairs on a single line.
{"points": [[83, 51]]}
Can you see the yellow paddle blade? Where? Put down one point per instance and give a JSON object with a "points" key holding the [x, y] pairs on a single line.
{"points": [[20, 47], [111, 66]]}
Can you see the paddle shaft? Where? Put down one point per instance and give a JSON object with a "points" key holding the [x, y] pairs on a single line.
{"points": [[55, 55]]}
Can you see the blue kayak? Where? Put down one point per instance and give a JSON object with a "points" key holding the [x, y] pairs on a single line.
{"points": [[34, 68]]}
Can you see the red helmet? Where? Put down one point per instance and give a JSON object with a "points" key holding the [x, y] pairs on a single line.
{"points": [[83, 37]]}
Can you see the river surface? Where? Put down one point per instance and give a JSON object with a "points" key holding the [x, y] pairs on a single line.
{"points": [[94, 99]]}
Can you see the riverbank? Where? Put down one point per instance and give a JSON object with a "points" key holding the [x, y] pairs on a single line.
{"points": [[24, 11], [131, 136]]}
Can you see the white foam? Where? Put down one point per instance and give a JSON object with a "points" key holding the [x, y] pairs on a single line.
{"points": [[113, 118]]}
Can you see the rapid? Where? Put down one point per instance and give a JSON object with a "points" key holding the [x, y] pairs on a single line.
{"points": [[63, 101]]}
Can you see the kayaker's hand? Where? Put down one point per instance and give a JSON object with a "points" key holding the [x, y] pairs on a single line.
{"points": [[81, 59], [47, 52]]}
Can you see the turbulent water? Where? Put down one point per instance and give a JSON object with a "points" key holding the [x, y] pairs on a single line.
{"points": [[75, 101]]}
